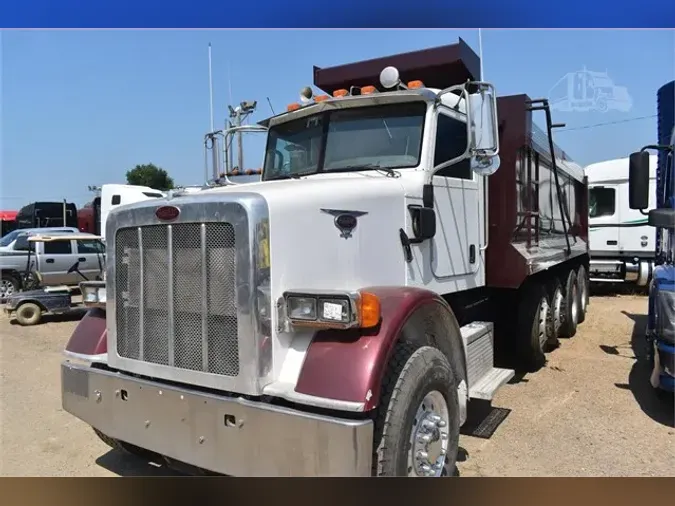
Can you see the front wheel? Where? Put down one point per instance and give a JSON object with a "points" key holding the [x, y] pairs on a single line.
{"points": [[417, 424], [8, 286]]}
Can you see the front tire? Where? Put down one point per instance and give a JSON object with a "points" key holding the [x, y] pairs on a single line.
{"points": [[417, 423]]}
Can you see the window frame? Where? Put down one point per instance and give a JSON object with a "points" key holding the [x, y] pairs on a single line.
{"points": [[461, 118], [614, 193]]}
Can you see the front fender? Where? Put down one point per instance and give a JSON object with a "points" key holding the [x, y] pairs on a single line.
{"points": [[90, 337], [350, 365]]}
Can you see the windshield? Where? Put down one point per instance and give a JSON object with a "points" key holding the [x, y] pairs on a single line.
{"points": [[9, 238], [352, 139]]}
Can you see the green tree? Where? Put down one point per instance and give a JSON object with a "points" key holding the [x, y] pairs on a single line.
{"points": [[150, 175]]}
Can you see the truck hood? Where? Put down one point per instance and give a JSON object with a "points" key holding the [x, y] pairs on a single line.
{"points": [[308, 249]]}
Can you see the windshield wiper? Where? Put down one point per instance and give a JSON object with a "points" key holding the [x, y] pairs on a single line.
{"points": [[294, 175], [367, 166]]}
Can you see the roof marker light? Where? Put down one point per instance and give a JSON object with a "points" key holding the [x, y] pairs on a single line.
{"points": [[321, 98], [340, 93], [367, 90], [413, 85], [293, 107]]}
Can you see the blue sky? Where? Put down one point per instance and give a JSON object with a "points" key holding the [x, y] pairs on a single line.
{"points": [[80, 108]]}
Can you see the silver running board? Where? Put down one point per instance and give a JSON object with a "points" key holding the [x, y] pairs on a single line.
{"points": [[488, 385], [482, 377]]}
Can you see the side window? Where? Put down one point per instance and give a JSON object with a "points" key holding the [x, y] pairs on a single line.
{"points": [[90, 247], [116, 199], [58, 248], [602, 202], [21, 243], [451, 140]]}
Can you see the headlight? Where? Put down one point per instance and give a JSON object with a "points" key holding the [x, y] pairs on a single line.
{"points": [[332, 310], [93, 293]]}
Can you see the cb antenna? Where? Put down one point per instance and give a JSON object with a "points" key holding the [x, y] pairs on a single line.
{"points": [[272, 108]]}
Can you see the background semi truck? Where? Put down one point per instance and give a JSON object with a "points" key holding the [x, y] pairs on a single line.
{"points": [[621, 241], [336, 318], [661, 321]]}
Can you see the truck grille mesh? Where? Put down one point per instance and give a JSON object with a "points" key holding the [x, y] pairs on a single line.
{"points": [[176, 296]]}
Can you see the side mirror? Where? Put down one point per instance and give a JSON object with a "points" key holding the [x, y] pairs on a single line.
{"points": [[483, 129], [423, 222], [638, 180], [662, 218]]}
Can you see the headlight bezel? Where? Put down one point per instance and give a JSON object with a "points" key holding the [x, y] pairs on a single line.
{"points": [[93, 293], [324, 302]]}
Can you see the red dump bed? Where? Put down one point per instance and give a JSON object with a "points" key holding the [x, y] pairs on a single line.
{"points": [[526, 224], [526, 232]]}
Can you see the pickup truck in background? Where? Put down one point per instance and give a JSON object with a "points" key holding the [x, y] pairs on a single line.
{"points": [[52, 260]]}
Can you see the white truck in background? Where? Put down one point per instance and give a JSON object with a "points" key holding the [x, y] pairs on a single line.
{"points": [[115, 195], [621, 241]]}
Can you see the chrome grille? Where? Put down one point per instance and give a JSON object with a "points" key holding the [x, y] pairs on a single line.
{"points": [[176, 296]]}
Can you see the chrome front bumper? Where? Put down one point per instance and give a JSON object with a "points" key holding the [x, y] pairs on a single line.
{"points": [[225, 435]]}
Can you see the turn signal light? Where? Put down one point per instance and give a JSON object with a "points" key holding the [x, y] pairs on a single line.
{"points": [[369, 310]]}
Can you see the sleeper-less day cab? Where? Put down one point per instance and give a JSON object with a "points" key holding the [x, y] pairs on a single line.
{"points": [[336, 318]]}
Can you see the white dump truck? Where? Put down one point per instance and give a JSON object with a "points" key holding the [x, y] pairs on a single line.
{"points": [[338, 317]]}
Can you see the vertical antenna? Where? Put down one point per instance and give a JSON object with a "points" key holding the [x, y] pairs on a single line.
{"points": [[229, 80], [211, 89], [480, 53]]}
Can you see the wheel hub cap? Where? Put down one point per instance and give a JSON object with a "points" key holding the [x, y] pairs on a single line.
{"points": [[6, 288], [429, 437]]}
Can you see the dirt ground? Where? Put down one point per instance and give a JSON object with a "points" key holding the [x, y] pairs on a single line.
{"points": [[589, 412]]}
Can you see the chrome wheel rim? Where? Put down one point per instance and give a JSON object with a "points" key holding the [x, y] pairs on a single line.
{"points": [[429, 437], [556, 312], [6, 288], [583, 287], [575, 307], [543, 321]]}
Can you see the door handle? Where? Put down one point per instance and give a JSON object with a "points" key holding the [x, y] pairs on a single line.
{"points": [[612, 243], [49, 261], [82, 259]]}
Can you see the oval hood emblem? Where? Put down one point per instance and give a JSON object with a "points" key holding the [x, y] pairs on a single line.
{"points": [[167, 213]]}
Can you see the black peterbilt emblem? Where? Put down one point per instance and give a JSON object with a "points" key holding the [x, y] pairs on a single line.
{"points": [[345, 221]]}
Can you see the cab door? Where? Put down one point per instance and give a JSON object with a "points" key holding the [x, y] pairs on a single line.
{"points": [[56, 257], [455, 250]]}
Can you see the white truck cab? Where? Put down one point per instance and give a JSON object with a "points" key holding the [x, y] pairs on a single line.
{"points": [[621, 241]]}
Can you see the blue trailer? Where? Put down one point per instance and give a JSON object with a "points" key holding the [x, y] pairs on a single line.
{"points": [[661, 317]]}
